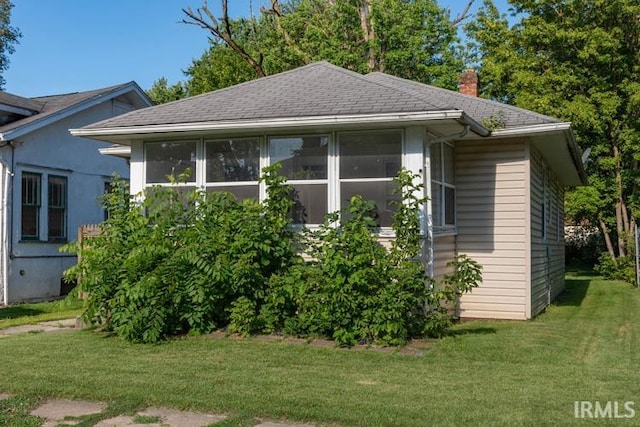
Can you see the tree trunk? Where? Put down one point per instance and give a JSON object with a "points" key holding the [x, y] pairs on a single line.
{"points": [[607, 240], [368, 32], [620, 205]]}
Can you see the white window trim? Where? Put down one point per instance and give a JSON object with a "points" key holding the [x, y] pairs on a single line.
{"points": [[332, 181], [444, 229]]}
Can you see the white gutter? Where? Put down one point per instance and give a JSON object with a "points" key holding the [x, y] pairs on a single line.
{"points": [[272, 123], [532, 129], [116, 150]]}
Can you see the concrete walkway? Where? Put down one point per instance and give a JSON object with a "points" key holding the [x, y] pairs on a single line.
{"points": [[61, 412], [64, 325]]}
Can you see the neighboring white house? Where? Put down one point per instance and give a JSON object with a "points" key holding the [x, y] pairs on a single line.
{"points": [[494, 173], [50, 182]]}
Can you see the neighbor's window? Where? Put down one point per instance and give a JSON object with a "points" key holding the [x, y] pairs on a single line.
{"points": [[443, 189], [368, 163], [30, 217], [57, 207], [233, 165], [165, 159], [304, 161]]}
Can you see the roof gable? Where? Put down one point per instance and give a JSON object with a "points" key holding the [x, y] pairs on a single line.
{"points": [[55, 107]]}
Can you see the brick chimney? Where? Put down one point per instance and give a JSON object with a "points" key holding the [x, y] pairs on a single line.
{"points": [[469, 83]]}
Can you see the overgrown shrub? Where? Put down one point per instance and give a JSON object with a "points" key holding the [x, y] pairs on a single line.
{"points": [[180, 262], [583, 246], [191, 262], [623, 268]]}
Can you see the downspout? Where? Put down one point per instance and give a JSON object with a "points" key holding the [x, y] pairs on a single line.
{"points": [[5, 179], [429, 250]]}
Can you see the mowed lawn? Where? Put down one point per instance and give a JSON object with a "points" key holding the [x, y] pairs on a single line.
{"points": [[584, 348]]}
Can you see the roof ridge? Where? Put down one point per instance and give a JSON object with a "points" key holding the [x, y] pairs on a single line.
{"points": [[502, 105]]}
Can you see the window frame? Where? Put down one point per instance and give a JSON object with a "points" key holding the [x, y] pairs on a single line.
{"points": [[201, 160], [37, 205], [64, 208], [442, 227]]}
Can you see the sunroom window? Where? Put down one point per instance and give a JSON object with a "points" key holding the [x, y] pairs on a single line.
{"points": [[368, 163], [443, 189], [167, 158], [304, 161], [233, 165]]}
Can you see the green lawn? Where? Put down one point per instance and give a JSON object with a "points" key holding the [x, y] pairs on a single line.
{"points": [[24, 314], [585, 347]]}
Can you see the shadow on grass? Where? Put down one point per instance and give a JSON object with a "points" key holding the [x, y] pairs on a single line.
{"points": [[574, 292], [17, 311]]}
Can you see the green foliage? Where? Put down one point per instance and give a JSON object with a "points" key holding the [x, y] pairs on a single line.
{"points": [[621, 268], [161, 92], [9, 36], [410, 39], [191, 262], [355, 290], [177, 263]]}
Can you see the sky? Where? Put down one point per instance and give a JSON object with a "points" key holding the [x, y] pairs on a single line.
{"points": [[76, 45]]}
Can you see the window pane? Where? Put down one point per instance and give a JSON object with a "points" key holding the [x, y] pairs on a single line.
{"points": [[310, 203], [370, 155], [57, 207], [30, 215], [436, 161], [301, 157], [449, 206], [381, 193], [436, 204], [240, 192], [169, 158], [233, 160], [449, 164]]}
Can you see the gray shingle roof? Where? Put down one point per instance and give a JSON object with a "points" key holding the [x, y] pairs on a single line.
{"points": [[49, 105], [20, 102], [318, 89], [477, 108]]}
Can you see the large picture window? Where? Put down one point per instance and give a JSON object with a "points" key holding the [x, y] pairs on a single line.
{"points": [[31, 189], [304, 161], [443, 189], [368, 163]]}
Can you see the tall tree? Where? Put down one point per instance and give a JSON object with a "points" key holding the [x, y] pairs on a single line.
{"points": [[8, 37], [414, 39], [161, 92], [578, 60]]}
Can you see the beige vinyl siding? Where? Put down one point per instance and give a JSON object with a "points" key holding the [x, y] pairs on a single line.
{"points": [[491, 207], [444, 251], [547, 246]]}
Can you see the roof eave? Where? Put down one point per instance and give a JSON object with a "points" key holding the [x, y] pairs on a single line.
{"points": [[122, 134]]}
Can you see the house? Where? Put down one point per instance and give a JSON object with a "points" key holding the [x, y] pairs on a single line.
{"points": [[50, 182], [495, 174]]}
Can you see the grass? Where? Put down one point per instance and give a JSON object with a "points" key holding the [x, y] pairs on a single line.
{"points": [[584, 348], [25, 314]]}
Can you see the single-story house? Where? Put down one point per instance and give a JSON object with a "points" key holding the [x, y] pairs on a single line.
{"points": [[50, 183], [495, 174]]}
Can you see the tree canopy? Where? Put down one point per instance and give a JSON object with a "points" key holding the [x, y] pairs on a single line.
{"points": [[8, 37], [578, 60], [414, 39]]}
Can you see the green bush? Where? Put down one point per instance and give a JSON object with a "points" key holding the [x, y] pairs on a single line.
{"points": [[623, 268], [191, 262]]}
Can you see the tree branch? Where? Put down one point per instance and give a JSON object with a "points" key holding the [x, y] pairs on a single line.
{"points": [[462, 15], [276, 11], [221, 29]]}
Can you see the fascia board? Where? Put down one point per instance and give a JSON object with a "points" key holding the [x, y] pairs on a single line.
{"points": [[266, 124]]}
